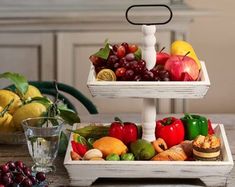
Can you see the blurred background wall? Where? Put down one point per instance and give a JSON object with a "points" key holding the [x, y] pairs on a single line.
{"points": [[52, 39]]}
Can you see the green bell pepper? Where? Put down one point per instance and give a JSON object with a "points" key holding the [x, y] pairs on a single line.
{"points": [[194, 125]]}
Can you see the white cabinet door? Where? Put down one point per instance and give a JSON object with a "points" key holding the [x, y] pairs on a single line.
{"points": [[30, 54], [73, 64]]}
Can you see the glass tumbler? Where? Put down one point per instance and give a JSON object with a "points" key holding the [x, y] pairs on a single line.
{"points": [[43, 137]]}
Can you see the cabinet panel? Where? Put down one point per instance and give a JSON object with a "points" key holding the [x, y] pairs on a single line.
{"points": [[28, 54], [73, 65]]}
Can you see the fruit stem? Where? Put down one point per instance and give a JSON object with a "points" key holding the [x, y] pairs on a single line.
{"points": [[162, 49], [6, 108], [118, 119], [186, 55]]}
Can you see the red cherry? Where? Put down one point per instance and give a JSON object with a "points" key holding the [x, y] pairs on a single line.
{"points": [[133, 48], [120, 72], [116, 130], [121, 51]]}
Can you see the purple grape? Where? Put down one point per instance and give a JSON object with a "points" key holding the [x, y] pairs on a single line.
{"points": [[19, 178], [33, 179], [130, 57], [4, 168], [142, 63], [27, 171], [7, 181], [148, 76], [137, 78], [27, 183], [115, 47], [117, 65], [129, 75], [11, 165], [164, 74], [41, 176], [112, 59]]}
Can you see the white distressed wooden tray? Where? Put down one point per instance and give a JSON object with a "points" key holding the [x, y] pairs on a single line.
{"points": [[149, 89], [212, 173]]}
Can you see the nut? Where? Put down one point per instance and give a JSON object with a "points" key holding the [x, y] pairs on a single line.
{"points": [[92, 153]]}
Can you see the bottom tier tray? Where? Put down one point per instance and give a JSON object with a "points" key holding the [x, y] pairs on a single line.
{"points": [[212, 173]]}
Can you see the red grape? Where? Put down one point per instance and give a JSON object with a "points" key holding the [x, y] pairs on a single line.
{"points": [[7, 181], [126, 46], [120, 72], [142, 63], [11, 165], [121, 52], [4, 168], [133, 48], [117, 65], [115, 47], [20, 164]]}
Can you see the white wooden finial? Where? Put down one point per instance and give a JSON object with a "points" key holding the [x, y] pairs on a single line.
{"points": [[149, 41]]}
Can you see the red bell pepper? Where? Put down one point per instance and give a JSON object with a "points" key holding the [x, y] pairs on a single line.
{"points": [[210, 129], [79, 148], [171, 130]]}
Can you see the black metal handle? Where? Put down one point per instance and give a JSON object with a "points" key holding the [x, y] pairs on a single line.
{"points": [[149, 5]]}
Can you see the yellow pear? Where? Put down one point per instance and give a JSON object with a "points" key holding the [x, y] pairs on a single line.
{"points": [[180, 47]]}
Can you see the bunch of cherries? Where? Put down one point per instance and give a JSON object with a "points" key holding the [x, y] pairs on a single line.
{"points": [[127, 67], [18, 174]]}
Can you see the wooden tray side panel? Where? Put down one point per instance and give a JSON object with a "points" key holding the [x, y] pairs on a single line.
{"points": [[149, 89], [84, 173]]}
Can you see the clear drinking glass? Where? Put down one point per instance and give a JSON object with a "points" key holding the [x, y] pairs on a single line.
{"points": [[43, 137]]}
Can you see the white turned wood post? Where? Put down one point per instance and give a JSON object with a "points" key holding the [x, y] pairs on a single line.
{"points": [[149, 104]]}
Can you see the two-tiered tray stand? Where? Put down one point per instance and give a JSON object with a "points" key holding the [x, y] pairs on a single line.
{"points": [[212, 173]]}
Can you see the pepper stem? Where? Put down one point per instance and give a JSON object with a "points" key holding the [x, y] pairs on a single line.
{"points": [[188, 116], [118, 119], [168, 121]]}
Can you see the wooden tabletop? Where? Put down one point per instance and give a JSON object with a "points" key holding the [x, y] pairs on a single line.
{"points": [[60, 177]]}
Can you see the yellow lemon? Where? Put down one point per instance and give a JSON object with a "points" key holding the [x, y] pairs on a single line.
{"points": [[32, 92], [5, 98], [106, 75], [30, 110], [108, 145], [5, 122]]}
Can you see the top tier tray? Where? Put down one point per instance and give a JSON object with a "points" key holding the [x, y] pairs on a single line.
{"points": [[149, 89]]}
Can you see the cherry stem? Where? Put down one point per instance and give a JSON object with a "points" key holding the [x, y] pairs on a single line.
{"points": [[162, 49], [186, 55]]}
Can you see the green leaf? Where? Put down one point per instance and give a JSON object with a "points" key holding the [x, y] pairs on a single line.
{"points": [[138, 54], [18, 80], [104, 52], [43, 100], [69, 116], [63, 143], [64, 107]]}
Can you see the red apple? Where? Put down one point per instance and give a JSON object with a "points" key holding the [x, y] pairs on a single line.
{"points": [[182, 68], [162, 57]]}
